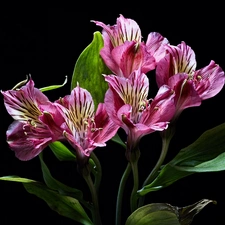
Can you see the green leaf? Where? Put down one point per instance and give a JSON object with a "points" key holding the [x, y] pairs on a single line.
{"points": [[154, 214], [167, 176], [214, 165], [64, 205], [206, 154], [62, 152], [56, 185], [17, 179], [166, 214], [89, 68]]}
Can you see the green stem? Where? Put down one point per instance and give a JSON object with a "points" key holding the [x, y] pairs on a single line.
{"points": [[95, 209], [97, 171], [134, 197], [120, 194], [166, 138]]}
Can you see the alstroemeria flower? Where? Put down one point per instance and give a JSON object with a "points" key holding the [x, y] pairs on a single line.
{"points": [[127, 104], [124, 51], [36, 124], [84, 128], [178, 70]]}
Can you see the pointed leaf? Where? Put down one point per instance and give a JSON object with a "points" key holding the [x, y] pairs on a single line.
{"points": [[167, 176], [206, 154], [17, 179], [56, 185], [64, 205], [216, 164], [21, 83], [89, 69], [186, 214]]}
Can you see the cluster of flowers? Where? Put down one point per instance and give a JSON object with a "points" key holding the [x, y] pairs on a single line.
{"points": [[76, 119], [39, 122]]}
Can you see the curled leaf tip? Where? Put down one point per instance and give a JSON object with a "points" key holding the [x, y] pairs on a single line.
{"points": [[21, 83], [52, 87]]}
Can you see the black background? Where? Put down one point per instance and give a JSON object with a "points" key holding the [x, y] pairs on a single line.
{"points": [[46, 44]]}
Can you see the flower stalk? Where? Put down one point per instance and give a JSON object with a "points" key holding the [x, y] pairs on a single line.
{"points": [[121, 189], [166, 137], [97, 170], [86, 173]]}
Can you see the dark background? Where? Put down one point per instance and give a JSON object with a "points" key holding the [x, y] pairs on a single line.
{"points": [[46, 44]]}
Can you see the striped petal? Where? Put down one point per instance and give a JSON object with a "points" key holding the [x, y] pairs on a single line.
{"points": [[179, 59], [23, 104], [84, 129], [155, 45], [209, 80], [37, 121], [132, 91], [77, 108], [124, 30], [26, 141]]}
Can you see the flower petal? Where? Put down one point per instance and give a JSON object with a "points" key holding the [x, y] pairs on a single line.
{"points": [[186, 95], [26, 142], [124, 30], [179, 59], [155, 45], [84, 129], [209, 80], [106, 128], [161, 109]]}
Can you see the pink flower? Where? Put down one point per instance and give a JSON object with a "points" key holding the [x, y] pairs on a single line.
{"points": [[83, 128], [178, 70], [127, 104], [36, 124], [124, 51]]}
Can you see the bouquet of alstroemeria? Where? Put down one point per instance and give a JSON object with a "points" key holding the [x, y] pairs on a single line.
{"points": [[109, 92]]}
